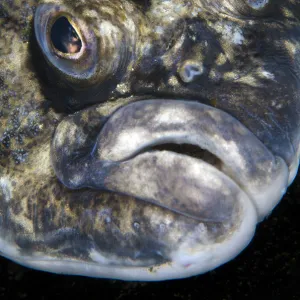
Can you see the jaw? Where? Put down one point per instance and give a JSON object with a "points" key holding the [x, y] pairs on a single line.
{"points": [[127, 156], [195, 255], [208, 202]]}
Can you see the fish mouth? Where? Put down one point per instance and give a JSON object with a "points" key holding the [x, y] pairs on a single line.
{"points": [[136, 153]]}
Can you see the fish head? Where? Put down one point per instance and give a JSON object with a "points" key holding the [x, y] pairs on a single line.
{"points": [[173, 129]]}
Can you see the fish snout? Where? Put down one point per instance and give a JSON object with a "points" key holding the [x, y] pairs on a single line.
{"points": [[187, 157]]}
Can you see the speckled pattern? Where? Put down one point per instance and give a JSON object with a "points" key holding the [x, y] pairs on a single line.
{"points": [[269, 268], [39, 214]]}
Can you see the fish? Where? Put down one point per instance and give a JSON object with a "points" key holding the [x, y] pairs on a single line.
{"points": [[144, 140]]}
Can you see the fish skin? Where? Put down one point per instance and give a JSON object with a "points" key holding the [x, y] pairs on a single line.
{"points": [[39, 214]]}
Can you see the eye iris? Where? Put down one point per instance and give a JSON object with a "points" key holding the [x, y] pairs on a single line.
{"points": [[64, 37]]}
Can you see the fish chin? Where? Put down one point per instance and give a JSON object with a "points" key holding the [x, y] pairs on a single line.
{"points": [[196, 254]]}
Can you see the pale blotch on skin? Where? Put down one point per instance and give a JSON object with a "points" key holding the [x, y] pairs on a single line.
{"points": [[287, 13], [167, 12], [173, 81], [214, 75], [108, 29], [230, 76], [174, 115], [230, 32], [266, 74], [98, 257], [249, 80], [123, 88], [276, 104], [168, 58], [41, 161], [107, 10], [221, 59], [6, 188], [77, 179], [65, 130], [196, 11], [90, 14], [216, 117], [291, 48]]}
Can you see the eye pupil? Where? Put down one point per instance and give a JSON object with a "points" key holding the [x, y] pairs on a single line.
{"points": [[64, 37]]}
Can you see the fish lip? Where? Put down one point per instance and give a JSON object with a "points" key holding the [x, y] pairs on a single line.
{"points": [[265, 190], [263, 177]]}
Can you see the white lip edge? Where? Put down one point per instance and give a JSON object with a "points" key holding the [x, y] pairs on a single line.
{"points": [[293, 168], [200, 262], [266, 199]]}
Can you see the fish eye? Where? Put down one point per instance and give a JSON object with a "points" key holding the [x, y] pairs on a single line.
{"points": [[68, 45], [81, 51], [64, 37]]}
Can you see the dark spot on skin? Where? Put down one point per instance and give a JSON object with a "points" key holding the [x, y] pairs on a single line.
{"points": [[133, 247], [3, 13], [56, 190], [17, 208], [143, 4], [20, 138], [19, 155], [45, 219], [25, 243], [6, 141], [2, 84], [151, 269], [28, 182], [30, 202]]}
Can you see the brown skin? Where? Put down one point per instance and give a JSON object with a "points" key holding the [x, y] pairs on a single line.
{"points": [[40, 205]]}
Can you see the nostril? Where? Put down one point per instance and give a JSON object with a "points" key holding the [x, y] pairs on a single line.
{"points": [[257, 4], [64, 37], [189, 70]]}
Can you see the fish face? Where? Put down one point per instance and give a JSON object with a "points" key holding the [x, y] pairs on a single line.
{"points": [[89, 48], [178, 130]]}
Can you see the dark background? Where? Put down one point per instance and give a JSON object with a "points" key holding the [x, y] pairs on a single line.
{"points": [[269, 268]]}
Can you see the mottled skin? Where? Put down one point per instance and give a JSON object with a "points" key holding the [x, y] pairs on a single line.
{"points": [[249, 68]]}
